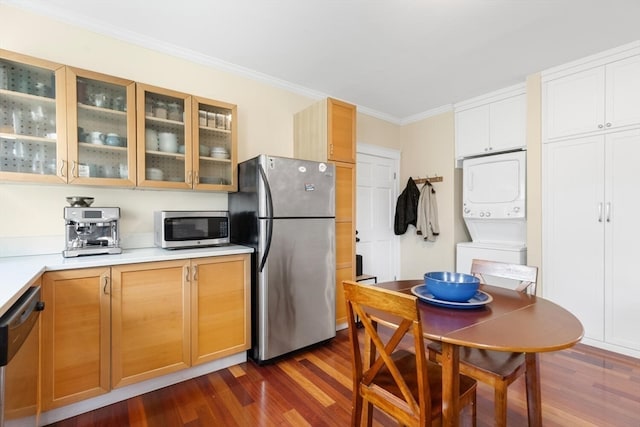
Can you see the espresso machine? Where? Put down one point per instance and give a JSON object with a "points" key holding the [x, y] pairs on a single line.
{"points": [[91, 231]]}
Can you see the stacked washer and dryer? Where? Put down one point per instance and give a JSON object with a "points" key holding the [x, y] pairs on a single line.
{"points": [[494, 209]]}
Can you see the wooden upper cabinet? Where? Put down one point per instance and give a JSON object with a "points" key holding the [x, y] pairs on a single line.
{"points": [[102, 122], [214, 145], [342, 131], [164, 134], [75, 336], [326, 131], [32, 119], [185, 141], [61, 124]]}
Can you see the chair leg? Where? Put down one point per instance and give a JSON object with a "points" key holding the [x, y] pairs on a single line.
{"points": [[474, 406], [500, 404], [356, 413], [368, 414]]}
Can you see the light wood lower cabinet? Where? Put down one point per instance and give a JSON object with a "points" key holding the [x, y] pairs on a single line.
{"points": [[105, 328], [75, 336], [150, 325], [220, 307]]}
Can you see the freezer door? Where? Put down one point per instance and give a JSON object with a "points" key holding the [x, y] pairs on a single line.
{"points": [[296, 288], [298, 188]]}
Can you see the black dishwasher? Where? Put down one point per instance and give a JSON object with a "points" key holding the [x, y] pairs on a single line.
{"points": [[19, 349]]}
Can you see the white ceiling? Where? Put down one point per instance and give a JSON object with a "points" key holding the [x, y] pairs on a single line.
{"points": [[395, 59]]}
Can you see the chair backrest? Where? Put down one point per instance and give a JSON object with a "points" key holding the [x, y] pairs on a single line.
{"points": [[526, 275], [372, 305]]}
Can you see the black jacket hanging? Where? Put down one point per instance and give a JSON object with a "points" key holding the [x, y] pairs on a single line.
{"points": [[406, 208]]}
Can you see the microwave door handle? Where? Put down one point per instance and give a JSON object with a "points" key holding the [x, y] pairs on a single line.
{"points": [[267, 191]]}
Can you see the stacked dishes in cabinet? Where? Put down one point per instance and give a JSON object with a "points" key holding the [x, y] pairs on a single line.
{"points": [[214, 135], [164, 138], [102, 129], [27, 119]]}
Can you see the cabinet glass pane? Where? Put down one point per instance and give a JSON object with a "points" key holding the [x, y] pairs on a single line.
{"points": [[164, 138], [214, 127], [102, 129], [27, 119]]}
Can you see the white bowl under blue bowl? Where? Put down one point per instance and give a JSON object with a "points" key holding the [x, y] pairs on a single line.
{"points": [[450, 286]]}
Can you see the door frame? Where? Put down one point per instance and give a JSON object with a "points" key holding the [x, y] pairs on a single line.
{"points": [[394, 156]]}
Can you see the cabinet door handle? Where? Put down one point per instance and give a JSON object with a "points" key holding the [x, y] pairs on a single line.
{"points": [[196, 178], [599, 212], [600, 126], [62, 168], [73, 169], [189, 177], [608, 125], [195, 273], [186, 274], [105, 287], [608, 211]]}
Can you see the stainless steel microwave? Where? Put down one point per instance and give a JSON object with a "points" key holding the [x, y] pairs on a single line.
{"points": [[190, 229]]}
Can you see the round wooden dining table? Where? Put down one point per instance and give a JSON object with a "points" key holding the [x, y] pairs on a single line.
{"points": [[512, 321]]}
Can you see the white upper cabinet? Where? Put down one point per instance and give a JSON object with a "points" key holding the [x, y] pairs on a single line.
{"points": [[622, 96], [593, 100], [491, 124], [472, 131], [507, 124]]}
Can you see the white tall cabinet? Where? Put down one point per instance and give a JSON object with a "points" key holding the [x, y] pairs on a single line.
{"points": [[590, 205]]}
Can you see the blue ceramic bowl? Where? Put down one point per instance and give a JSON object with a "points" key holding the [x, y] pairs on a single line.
{"points": [[448, 286]]}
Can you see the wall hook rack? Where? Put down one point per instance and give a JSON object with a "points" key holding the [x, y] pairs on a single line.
{"points": [[430, 179]]}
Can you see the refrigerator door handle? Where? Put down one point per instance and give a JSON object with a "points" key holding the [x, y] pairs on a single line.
{"points": [[267, 191]]}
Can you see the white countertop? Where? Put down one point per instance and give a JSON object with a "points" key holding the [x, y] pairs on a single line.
{"points": [[17, 274]]}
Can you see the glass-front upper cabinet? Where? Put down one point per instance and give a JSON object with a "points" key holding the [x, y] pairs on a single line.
{"points": [[214, 145], [101, 122], [164, 138], [32, 119]]}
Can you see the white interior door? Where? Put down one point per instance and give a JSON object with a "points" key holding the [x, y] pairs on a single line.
{"points": [[376, 195]]}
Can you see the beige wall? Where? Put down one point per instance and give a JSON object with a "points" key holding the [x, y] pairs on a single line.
{"points": [[265, 124], [428, 149], [371, 130]]}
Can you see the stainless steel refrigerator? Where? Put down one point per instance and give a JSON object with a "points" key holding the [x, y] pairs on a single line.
{"points": [[285, 210]]}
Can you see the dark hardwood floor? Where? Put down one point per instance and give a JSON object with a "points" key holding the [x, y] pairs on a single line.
{"points": [[581, 386]]}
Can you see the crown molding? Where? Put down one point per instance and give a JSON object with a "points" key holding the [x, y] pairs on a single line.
{"points": [[104, 29], [378, 115], [426, 114]]}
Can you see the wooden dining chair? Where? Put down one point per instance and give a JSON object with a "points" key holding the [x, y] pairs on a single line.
{"points": [[496, 368], [403, 384]]}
